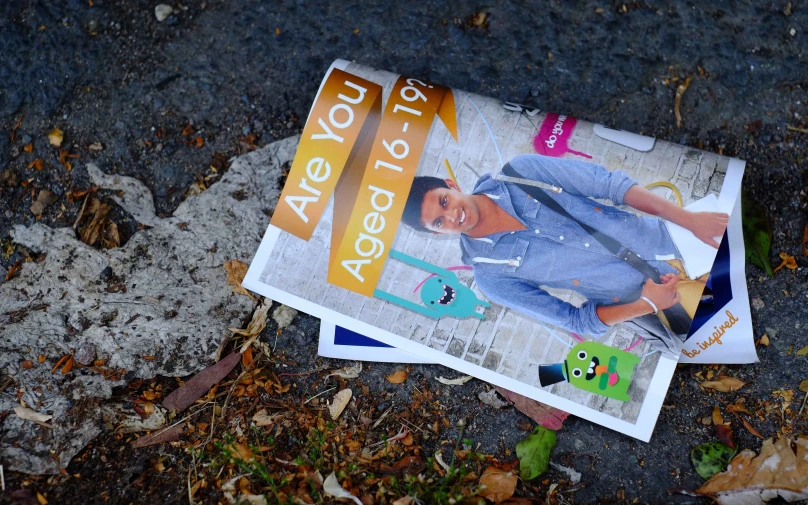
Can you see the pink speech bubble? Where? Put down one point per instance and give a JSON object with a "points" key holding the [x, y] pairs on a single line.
{"points": [[554, 135]]}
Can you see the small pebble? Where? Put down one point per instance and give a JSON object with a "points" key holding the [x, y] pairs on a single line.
{"points": [[162, 11]]}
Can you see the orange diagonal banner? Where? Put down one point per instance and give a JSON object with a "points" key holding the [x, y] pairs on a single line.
{"points": [[367, 160], [331, 131]]}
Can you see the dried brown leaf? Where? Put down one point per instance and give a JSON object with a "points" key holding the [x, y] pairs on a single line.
{"points": [[788, 261], [38, 164], [339, 402], [805, 240], [59, 363], [256, 325], [724, 433], [199, 384], [397, 377], [28, 148], [549, 417], [724, 384], [236, 270], [158, 437], [776, 472], [499, 485], [751, 429], [68, 365], [717, 417], [738, 406], [27, 364], [787, 395], [111, 236], [97, 213]]}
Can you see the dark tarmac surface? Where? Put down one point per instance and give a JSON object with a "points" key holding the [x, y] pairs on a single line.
{"points": [[243, 72]]}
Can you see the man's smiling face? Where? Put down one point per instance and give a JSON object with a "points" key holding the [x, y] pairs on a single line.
{"points": [[448, 210]]}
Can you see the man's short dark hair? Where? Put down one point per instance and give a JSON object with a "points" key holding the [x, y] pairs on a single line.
{"points": [[420, 187]]}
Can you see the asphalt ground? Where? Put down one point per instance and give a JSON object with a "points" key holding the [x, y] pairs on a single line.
{"points": [[244, 73]]}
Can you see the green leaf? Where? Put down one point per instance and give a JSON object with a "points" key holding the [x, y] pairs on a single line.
{"points": [[534, 452], [710, 459], [757, 234]]}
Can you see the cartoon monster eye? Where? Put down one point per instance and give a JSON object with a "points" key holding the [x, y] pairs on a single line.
{"points": [[581, 355], [440, 280], [433, 303], [576, 372]]}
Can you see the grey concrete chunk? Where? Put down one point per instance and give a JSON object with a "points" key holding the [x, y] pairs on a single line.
{"points": [[163, 294]]}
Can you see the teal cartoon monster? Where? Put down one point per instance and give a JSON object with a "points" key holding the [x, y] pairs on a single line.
{"points": [[594, 367], [442, 293]]}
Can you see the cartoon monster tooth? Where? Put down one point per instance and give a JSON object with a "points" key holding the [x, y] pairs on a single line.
{"points": [[611, 379], [442, 294]]}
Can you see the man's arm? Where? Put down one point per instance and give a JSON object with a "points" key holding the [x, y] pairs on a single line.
{"points": [[704, 225], [662, 295], [529, 299]]}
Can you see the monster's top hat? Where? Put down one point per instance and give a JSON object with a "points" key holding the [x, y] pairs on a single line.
{"points": [[551, 374]]}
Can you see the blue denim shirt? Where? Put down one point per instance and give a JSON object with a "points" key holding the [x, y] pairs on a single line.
{"points": [[512, 268]]}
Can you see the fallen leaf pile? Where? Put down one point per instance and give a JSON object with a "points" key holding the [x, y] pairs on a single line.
{"points": [[96, 225]]}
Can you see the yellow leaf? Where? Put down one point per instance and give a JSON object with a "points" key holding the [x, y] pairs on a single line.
{"points": [[241, 451], [397, 377], [41, 499], [55, 137], [803, 351], [724, 384], [788, 262], [499, 485], [804, 386], [717, 418], [764, 340]]}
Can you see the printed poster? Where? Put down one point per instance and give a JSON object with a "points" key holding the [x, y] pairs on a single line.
{"points": [[512, 244]]}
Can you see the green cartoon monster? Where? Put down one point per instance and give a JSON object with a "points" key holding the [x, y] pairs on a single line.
{"points": [[442, 293], [594, 367]]}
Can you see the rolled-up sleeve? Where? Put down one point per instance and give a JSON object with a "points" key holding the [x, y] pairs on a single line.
{"points": [[529, 299], [574, 176]]}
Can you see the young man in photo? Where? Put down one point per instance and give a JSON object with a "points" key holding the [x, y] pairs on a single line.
{"points": [[518, 246]]}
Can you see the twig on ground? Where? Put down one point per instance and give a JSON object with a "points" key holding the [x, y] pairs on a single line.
{"points": [[81, 212], [795, 129], [680, 91], [319, 394], [238, 379]]}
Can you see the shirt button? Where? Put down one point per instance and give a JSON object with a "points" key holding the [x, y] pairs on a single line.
{"points": [[561, 237], [537, 231], [513, 232], [586, 245], [518, 258]]}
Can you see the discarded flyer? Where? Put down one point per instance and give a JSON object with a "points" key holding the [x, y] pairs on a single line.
{"points": [[529, 249], [721, 331]]}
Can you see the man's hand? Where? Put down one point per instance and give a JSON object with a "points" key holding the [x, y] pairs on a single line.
{"points": [[663, 295], [708, 225]]}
